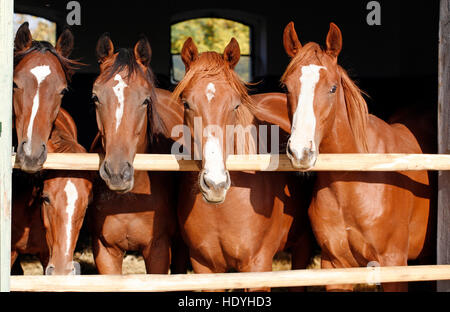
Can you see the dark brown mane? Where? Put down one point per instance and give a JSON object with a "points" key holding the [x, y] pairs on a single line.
{"points": [[69, 66], [126, 61], [357, 110]]}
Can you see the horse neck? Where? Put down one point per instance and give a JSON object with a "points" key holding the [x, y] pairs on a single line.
{"points": [[339, 138], [143, 144], [248, 119]]}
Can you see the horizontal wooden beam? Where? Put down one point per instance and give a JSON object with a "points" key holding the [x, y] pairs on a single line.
{"points": [[183, 282], [325, 162]]}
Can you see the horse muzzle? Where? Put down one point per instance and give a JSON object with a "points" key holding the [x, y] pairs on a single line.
{"points": [[31, 157], [214, 192], [118, 178], [303, 158], [72, 268]]}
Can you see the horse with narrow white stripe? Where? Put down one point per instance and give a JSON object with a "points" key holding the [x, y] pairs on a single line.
{"points": [[41, 75]]}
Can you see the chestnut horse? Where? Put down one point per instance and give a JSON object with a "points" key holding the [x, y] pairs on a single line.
{"points": [[48, 210], [236, 220], [41, 74], [65, 198], [357, 217], [134, 210]]}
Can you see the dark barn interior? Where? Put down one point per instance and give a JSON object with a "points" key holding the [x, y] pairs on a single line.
{"points": [[395, 63]]}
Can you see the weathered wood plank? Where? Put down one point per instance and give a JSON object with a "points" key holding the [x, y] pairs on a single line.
{"points": [[6, 74], [443, 235], [181, 282], [325, 162]]}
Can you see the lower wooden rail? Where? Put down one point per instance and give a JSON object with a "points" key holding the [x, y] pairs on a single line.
{"points": [[183, 282]]}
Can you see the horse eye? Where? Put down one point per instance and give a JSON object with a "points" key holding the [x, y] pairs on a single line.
{"points": [[45, 199], [64, 91], [186, 104], [14, 85], [237, 106], [146, 102], [333, 89], [94, 98]]}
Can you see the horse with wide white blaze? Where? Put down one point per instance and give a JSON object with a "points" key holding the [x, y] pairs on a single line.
{"points": [[48, 209], [357, 217], [232, 220]]}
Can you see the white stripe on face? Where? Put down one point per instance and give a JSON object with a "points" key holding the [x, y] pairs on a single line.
{"points": [[210, 91], [214, 165], [40, 73], [119, 92], [71, 196], [304, 120]]}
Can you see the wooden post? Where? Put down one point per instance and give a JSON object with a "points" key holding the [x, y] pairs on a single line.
{"points": [[443, 235], [6, 78]]}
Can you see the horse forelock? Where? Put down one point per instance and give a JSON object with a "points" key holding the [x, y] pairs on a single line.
{"points": [[125, 62], [211, 65], [68, 66]]}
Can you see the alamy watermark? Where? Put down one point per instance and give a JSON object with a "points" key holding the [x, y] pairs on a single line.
{"points": [[74, 15], [374, 16], [237, 139]]}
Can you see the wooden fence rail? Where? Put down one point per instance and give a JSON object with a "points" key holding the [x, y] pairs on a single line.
{"points": [[182, 282], [325, 162]]}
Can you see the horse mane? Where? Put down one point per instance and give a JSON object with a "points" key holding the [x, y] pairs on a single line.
{"points": [[69, 66], [126, 61], [63, 138], [211, 64], [357, 111]]}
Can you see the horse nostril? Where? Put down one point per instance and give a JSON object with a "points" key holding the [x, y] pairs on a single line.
{"points": [[104, 169], [50, 269], [226, 185], [43, 155], [289, 151], [127, 173], [203, 183]]}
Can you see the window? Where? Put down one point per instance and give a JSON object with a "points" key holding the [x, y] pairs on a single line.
{"points": [[40, 28], [211, 34]]}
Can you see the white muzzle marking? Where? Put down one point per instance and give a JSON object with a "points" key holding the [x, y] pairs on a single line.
{"points": [[40, 73], [119, 89], [214, 165], [304, 120]]}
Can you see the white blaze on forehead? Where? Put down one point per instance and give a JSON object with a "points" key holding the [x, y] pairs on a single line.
{"points": [[214, 165], [40, 73], [304, 120], [210, 91], [71, 197], [119, 92]]}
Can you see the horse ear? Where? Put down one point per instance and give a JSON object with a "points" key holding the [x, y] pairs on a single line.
{"points": [[23, 38], [290, 40], [143, 51], [334, 40], [232, 53], [65, 43], [189, 52], [105, 47]]}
